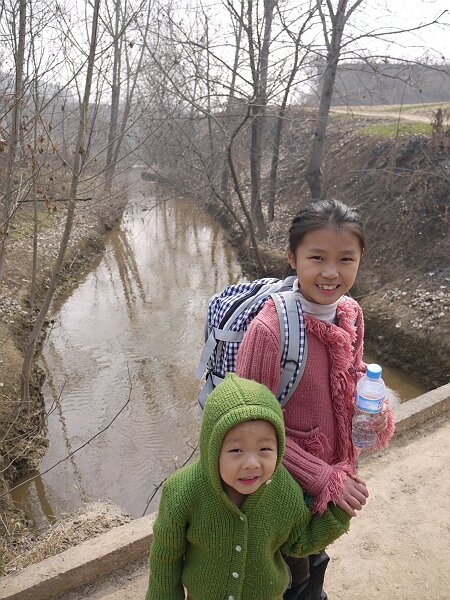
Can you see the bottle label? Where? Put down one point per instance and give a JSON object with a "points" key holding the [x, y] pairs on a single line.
{"points": [[369, 405]]}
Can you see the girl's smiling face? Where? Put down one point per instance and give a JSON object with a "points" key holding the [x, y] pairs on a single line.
{"points": [[326, 262]]}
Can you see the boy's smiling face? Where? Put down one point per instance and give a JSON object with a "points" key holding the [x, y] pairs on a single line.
{"points": [[248, 458]]}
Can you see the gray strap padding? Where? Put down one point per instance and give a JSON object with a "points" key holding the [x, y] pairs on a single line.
{"points": [[294, 339], [293, 325], [287, 283], [301, 370], [206, 389], [211, 382], [207, 351], [214, 336]]}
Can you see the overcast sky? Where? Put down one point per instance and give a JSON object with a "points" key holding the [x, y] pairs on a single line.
{"points": [[386, 14], [406, 14]]}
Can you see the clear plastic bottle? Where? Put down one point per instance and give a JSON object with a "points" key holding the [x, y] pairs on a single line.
{"points": [[370, 395]]}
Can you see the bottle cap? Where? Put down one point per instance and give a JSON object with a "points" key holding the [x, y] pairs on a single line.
{"points": [[374, 371]]}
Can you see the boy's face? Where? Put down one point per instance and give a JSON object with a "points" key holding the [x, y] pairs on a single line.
{"points": [[248, 458]]}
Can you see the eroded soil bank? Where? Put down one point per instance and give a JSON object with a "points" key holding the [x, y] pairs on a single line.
{"points": [[22, 438]]}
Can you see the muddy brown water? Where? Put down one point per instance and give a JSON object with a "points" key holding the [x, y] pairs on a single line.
{"points": [[121, 355]]}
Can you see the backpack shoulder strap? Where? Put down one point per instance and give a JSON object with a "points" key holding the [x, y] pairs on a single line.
{"points": [[293, 343]]}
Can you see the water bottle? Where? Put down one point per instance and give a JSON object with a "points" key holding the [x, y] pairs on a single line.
{"points": [[370, 394]]}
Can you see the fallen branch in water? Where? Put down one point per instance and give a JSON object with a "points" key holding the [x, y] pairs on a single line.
{"points": [[157, 487], [76, 449], [53, 200]]}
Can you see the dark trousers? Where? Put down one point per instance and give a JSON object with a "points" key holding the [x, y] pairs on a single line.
{"points": [[307, 577]]}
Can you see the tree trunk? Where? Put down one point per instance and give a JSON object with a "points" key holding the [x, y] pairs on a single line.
{"points": [[34, 175], [279, 132], [115, 99], [225, 180], [237, 189], [260, 74], [130, 94], [78, 152], [313, 171], [9, 202]]}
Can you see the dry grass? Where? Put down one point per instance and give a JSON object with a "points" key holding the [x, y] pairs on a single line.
{"points": [[85, 523]]}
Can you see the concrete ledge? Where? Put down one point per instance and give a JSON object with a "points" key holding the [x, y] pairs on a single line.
{"points": [[81, 564], [129, 543], [415, 412]]}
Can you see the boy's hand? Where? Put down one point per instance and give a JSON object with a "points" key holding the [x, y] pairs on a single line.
{"points": [[353, 496]]}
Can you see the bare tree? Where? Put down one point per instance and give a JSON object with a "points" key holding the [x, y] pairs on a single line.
{"points": [[338, 19], [334, 22], [133, 72], [238, 30], [10, 197], [259, 67], [301, 52], [76, 169], [190, 79]]}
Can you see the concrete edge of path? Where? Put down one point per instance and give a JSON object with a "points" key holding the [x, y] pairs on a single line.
{"points": [[418, 410], [121, 546]]}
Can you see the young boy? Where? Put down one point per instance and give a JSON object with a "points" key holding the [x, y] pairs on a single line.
{"points": [[224, 520]]}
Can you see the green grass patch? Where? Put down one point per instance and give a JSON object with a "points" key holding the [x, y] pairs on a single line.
{"points": [[390, 129], [342, 115], [21, 224]]}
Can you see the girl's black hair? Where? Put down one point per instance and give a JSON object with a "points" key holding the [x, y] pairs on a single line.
{"points": [[325, 213]]}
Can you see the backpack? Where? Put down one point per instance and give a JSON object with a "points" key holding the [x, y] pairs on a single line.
{"points": [[230, 313]]}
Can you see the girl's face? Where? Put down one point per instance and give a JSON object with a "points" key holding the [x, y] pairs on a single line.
{"points": [[326, 262]]}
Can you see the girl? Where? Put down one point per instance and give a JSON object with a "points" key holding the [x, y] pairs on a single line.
{"points": [[326, 244]]}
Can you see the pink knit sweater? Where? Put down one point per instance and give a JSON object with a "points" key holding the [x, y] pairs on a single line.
{"points": [[319, 449]]}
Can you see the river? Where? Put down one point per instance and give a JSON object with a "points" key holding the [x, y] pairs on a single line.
{"points": [[120, 359]]}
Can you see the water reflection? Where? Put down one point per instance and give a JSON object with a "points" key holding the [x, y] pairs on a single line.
{"points": [[55, 397], [31, 496], [400, 386], [136, 319]]}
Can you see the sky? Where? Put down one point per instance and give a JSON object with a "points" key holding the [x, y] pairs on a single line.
{"points": [[406, 14], [393, 14]]}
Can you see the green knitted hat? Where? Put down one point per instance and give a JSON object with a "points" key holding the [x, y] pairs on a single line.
{"points": [[235, 401]]}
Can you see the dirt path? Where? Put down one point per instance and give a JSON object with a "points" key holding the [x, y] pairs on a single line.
{"points": [[380, 114], [398, 547]]}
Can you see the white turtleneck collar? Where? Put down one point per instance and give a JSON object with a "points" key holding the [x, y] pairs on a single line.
{"points": [[323, 312]]}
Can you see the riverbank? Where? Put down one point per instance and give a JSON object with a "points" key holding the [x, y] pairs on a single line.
{"points": [[23, 441]]}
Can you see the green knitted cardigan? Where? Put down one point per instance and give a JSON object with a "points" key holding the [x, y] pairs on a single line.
{"points": [[215, 549]]}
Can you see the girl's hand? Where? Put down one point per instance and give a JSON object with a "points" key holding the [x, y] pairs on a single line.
{"points": [[379, 423], [353, 496]]}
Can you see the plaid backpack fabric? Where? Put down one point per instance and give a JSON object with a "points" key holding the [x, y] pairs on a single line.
{"points": [[230, 313]]}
